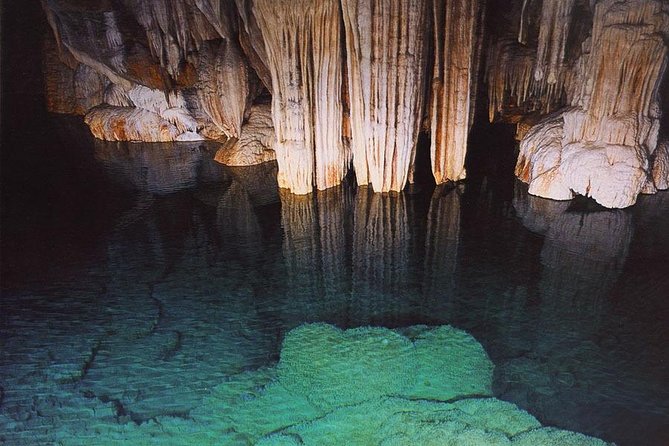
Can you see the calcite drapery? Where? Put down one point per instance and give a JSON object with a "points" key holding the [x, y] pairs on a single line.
{"points": [[457, 54], [303, 44], [386, 64]]}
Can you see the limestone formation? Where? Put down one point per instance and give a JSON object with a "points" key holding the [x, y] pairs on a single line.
{"points": [[386, 65], [223, 87], [660, 170], [303, 44], [457, 47], [354, 82], [256, 143], [602, 147]]}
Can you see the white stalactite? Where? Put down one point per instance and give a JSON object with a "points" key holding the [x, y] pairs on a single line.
{"points": [[302, 41], [454, 79], [602, 147], [385, 42]]}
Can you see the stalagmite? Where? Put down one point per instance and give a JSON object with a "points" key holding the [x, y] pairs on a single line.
{"points": [[385, 43], [303, 44], [256, 143], [457, 51]]}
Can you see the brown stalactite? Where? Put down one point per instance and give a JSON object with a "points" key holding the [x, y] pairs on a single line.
{"points": [[454, 77]]}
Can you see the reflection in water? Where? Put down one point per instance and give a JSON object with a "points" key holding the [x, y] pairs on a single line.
{"points": [[159, 168], [583, 252], [442, 240], [380, 254], [314, 250], [203, 276], [583, 340]]}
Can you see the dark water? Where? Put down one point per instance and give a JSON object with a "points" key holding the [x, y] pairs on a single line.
{"points": [[137, 276]]}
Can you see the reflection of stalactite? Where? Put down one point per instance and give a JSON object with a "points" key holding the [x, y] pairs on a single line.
{"points": [[301, 246], [238, 224], [259, 182], [442, 240], [386, 69], [157, 168], [582, 256], [315, 245], [333, 211], [380, 252]]}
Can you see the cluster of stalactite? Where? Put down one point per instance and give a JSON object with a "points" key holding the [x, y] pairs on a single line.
{"points": [[582, 81], [351, 81], [352, 84]]}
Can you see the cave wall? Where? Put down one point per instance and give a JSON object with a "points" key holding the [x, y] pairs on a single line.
{"points": [[352, 84]]}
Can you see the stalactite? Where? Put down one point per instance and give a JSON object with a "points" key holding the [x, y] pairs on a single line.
{"points": [[251, 41], [223, 87], [303, 41], [628, 49], [385, 43], [660, 172], [173, 29], [556, 18], [522, 28], [508, 75], [454, 78], [256, 143], [606, 141]]}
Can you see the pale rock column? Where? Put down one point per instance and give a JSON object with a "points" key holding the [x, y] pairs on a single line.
{"points": [[457, 45], [303, 44], [385, 42]]}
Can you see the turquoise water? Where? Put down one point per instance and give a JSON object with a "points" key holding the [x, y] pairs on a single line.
{"points": [[137, 278]]}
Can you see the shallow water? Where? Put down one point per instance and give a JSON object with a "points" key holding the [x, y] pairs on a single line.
{"points": [[136, 277]]}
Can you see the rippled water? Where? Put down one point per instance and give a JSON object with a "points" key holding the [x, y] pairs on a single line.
{"points": [[138, 276]]}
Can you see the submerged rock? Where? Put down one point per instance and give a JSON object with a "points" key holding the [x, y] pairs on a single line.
{"points": [[368, 386]]}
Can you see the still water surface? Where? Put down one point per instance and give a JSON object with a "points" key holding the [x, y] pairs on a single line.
{"points": [[138, 276]]}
